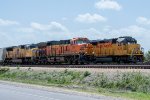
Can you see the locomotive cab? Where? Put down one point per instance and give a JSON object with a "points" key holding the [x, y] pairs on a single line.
{"points": [[78, 45], [41, 52], [130, 44], [78, 41], [79, 49], [132, 48], [127, 40], [31, 50]]}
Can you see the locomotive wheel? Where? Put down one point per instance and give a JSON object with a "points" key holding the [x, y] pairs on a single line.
{"points": [[82, 63], [134, 59], [70, 61], [118, 60], [76, 62]]}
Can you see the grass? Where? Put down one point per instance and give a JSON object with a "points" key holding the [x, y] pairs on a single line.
{"points": [[133, 85]]}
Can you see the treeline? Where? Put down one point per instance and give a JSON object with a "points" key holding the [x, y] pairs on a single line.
{"points": [[147, 56]]}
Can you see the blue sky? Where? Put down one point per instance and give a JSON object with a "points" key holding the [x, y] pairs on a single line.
{"points": [[32, 21]]}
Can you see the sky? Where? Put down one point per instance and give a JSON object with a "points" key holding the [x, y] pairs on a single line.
{"points": [[33, 21]]}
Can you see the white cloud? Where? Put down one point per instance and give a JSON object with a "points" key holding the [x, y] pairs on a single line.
{"points": [[38, 26], [90, 33], [52, 26], [5, 39], [33, 33], [7, 22], [51, 31], [141, 34], [89, 18], [108, 4], [37, 32], [25, 29], [143, 20], [45, 32]]}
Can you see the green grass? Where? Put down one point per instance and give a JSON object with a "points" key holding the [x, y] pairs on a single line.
{"points": [[133, 95], [133, 85]]}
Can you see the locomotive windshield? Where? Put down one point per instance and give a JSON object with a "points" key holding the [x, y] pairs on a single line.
{"points": [[79, 41], [126, 40], [31, 46]]}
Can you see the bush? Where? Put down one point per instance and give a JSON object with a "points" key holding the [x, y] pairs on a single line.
{"points": [[126, 81], [147, 56], [101, 81], [3, 70], [86, 73], [123, 81]]}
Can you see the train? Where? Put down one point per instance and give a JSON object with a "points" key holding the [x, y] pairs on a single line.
{"points": [[75, 51]]}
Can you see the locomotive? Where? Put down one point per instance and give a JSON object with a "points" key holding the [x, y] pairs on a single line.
{"points": [[75, 51]]}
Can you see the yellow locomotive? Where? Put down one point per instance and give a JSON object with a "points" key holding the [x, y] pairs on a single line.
{"points": [[122, 49], [20, 54]]}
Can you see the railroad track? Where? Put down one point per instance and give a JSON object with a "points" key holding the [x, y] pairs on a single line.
{"points": [[88, 66]]}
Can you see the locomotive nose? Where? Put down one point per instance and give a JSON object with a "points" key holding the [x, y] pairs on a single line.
{"points": [[83, 46]]}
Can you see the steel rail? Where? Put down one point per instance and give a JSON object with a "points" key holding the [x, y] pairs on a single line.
{"points": [[87, 66]]}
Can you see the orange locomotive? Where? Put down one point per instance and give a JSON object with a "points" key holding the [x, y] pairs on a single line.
{"points": [[63, 51], [75, 51]]}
